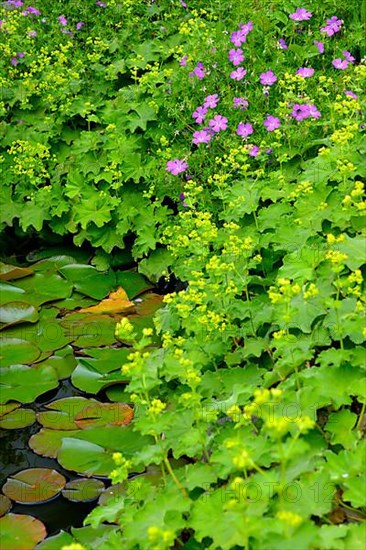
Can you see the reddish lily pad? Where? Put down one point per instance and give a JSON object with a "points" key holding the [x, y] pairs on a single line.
{"points": [[9, 272], [34, 485], [83, 490], [47, 442], [5, 505], [16, 351], [61, 413], [20, 532], [101, 414], [17, 312], [13, 418]]}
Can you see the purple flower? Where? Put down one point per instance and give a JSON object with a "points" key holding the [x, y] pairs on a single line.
{"points": [[338, 63], [182, 197], [333, 25], [183, 61], [246, 28], [302, 112], [211, 101], [238, 74], [62, 20], [238, 38], [240, 103], [79, 25], [176, 166], [305, 72], [183, 4], [20, 54], [282, 44], [15, 3], [32, 34], [269, 151], [300, 15], [351, 94], [254, 151], [268, 78], [236, 56], [14, 61], [202, 136], [348, 56], [200, 114], [198, 71], [218, 123], [319, 45], [313, 111], [244, 129], [101, 4], [32, 11], [272, 123]]}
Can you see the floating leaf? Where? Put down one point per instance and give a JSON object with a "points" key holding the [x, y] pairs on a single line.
{"points": [[84, 457], [90, 330], [25, 384], [10, 293], [83, 490], [88, 280], [78, 254], [9, 272], [63, 361], [56, 542], [117, 302], [48, 334], [103, 369], [12, 417], [21, 532], [34, 485], [14, 351], [42, 288], [75, 301], [47, 442], [61, 413], [101, 414], [5, 505], [52, 264], [133, 283], [17, 312]]}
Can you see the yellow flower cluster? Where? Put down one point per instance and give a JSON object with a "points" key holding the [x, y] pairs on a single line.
{"points": [[124, 329], [303, 188], [336, 257], [311, 291], [356, 193], [290, 518], [73, 546], [156, 407], [344, 135], [213, 321], [29, 160], [242, 460], [284, 291], [160, 539]]}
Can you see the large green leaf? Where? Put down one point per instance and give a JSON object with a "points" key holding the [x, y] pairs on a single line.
{"points": [[25, 384], [9, 272], [90, 330], [12, 417], [14, 351], [19, 532], [87, 280], [84, 457], [10, 293], [83, 490], [42, 288], [12, 313], [48, 334], [133, 283], [101, 370]]}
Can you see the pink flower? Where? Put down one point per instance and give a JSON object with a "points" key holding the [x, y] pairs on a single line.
{"points": [[198, 71], [176, 166], [183, 61], [238, 74], [32, 34], [200, 114], [238, 38], [218, 123], [268, 78], [62, 20], [319, 45], [14, 61], [300, 15], [240, 103], [246, 28], [79, 25], [101, 4], [333, 25], [236, 56], [244, 129], [282, 44], [272, 123], [305, 72], [202, 136], [348, 56], [338, 63], [211, 101], [254, 151], [31, 10], [313, 111], [351, 94]]}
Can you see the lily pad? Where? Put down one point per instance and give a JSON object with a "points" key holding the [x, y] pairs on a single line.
{"points": [[78, 254], [93, 374], [10, 272], [52, 264], [5, 505], [90, 330], [15, 351], [75, 301], [20, 532], [102, 414], [47, 442], [34, 485], [48, 334], [117, 393], [117, 302], [24, 384], [10, 293], [85, 458], [61, 413], [87, 280], [63, 361], [83, 490], [42, 288], [56, 542], [133, 283], [17, 312], [13, 417]]}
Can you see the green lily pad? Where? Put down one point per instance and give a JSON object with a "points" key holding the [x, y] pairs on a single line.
{"points": [[25, 384], [56, 542], [63, 361], [52, 264], [10, 293], [14, 351], [133, 283], [83, 490], [103, 369], [42, 288], [34, 485], [5, 505], [87, 280], [9, 272], [89, 330], [17, 312], [75, 301], [20, 532], [48, 334], [84, 457], [61, 413], [78, 254], [12, 417], [47, 442], [117, 393]]}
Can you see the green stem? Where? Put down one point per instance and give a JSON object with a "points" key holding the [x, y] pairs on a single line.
{"points": [[174, 477]]}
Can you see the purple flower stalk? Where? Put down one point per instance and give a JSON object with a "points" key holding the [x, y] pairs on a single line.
{"points": [[282, 44], [240, 103], [236, 56], [211, 101], [62, 20], [200, 114], [198, 71], [238, 74], [339, 63], [218, 123], [300, 15], [31, 10], [183, 61], [244, 129], [271, 123], [176, 166], [15, 3], [268, 78], [319, 45], [202, 136], [348, 56], [79, 25], [305, 72]]}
